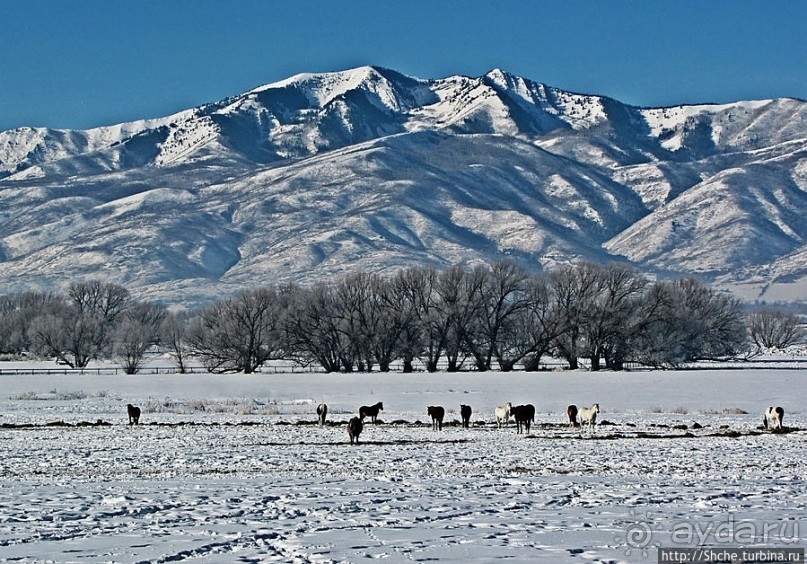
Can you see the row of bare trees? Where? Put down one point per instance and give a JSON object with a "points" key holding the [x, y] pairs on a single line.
{"points": [[485, 317]]}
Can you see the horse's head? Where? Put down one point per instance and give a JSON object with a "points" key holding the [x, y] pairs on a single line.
{"points": [[596, 408]]}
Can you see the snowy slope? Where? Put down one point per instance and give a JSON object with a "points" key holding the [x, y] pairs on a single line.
{"points": [[320, 174]]}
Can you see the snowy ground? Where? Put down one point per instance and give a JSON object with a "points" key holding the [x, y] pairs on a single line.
{"points": [[232, 468]]}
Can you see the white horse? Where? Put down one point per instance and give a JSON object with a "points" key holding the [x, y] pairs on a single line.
{"points": [[773, 418], [588, 415], [503, 414]]}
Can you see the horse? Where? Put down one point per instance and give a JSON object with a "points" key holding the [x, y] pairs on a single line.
{"points": [[773, 418], [370, 411], [571, 411], [322, 413], [503, 414], [588, 415], [465, 413], [524, 414], [354, 428], [134, 414], [437, 413]]}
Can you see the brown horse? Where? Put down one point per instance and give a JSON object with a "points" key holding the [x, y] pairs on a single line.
{"points": [[370, 411], [322, 413], [571, 411], [354, 428], [437, 413], [134, 414], [524, 414], [465, 413]]}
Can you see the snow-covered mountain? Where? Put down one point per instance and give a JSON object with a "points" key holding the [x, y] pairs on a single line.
{"points": [[321, 174]]}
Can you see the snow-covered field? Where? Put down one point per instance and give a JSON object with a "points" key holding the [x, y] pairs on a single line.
{"points": [[232, 468]]}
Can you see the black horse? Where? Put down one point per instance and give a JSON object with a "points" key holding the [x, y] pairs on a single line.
{"points": [[134, 414], [437, 413], [465, 413], [524, 414], [354, 428], [370, 411]]}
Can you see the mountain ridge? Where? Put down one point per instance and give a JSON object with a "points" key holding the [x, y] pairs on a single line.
{"points": [[370, 168]]}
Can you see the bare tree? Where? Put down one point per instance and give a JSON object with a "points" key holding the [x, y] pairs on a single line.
{"points": [[79, 329], [574, 290], [98, 299], [411, 297], [529, 333], [611, 316], [16, 313], [459, 294], [313, 325], [772, 328], [394, 324], [239, 334], [174, 336], [357, 312], [502, 299], [137, 330], [72, 338], [690, 322]]}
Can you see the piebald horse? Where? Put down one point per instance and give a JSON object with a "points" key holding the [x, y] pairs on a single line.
{"points": [[322, 413], [773, 418]]}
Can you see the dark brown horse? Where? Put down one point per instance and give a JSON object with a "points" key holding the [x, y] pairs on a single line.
{"points": [[465, 413], [134, 414], [524, 414], [437, 413], [370, 411], [571, 411], [322, 413], [354, 428]]}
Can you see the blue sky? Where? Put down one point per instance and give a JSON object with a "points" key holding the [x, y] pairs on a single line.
{"points": [[90, 62]]}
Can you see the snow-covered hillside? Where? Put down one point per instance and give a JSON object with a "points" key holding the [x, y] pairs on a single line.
{"points": [[320, 174]]}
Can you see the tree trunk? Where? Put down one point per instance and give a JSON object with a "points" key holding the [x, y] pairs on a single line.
{"points": [[407, 366]]}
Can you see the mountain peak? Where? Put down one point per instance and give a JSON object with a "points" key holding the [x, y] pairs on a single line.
{"points": [[367, 168]]}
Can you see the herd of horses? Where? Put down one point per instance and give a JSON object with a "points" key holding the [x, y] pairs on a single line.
{"points": [[523, 415]]}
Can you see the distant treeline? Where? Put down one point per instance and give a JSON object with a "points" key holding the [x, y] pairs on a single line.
{"points": [[486, 317]]}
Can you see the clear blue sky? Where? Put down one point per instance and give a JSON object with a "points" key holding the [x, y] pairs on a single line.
{"points": [[85, 63]]}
